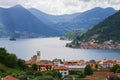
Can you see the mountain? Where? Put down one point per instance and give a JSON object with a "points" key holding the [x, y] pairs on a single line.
{"points": [[105, 30], [90, 18], [54, 21], [19, 22], [103, 35], [65, 23], [72, 34]]}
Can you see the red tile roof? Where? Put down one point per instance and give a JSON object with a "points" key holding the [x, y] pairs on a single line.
{"points": [[118, 75], [101, 74], [10, 78], [109, 61], [45, 62], [61, 68]]}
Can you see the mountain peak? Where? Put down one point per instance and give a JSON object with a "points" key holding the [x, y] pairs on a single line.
{"points": [[18, 6], [100, 8], [110, 8]]}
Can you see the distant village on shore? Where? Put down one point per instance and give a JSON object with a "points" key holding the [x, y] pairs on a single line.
{"points": [[110, 44], [64, 66], [57, 69]]}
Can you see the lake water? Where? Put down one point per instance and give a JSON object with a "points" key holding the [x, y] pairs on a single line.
{"points": [[52, 48]]}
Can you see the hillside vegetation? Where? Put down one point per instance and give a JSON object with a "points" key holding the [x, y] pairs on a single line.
{"points": [[73, 34], [103, 35], [9, 62], [109, 29]]}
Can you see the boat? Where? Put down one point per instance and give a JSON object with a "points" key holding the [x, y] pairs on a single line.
{"points": [[12, 39]]}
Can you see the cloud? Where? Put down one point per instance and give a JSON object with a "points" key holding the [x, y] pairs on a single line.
{"points": [[8, 3], [62, 6]]}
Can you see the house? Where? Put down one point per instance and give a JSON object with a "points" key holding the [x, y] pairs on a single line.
{"points": [[92, 63], [34, 60], [118, 62], [63, 70], [118, 75], [43, 65], [118, 46], [76, 67], [9, 78], [74, 62], [107, 64], [57, 61]]}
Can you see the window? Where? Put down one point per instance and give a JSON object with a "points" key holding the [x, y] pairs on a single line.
{"points": [[65, 72]]}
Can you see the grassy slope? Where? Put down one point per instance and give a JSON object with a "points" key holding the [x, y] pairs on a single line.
{"points": [[7, 69]]}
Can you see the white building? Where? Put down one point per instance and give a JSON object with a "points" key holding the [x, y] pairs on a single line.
{"points": [[76, 67], [63, 70]]}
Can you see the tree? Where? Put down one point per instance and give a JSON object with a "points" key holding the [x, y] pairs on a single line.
{"points": [[114, 68], [118, 70], [88, 70], [81, 75], [21, 64], [53, 73], [34, 67], [96, 66], [23, 77], [37, 73], [3, 54], [11, 60], [3, 50]]}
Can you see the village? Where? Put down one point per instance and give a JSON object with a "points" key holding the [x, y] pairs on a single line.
{"points": [[70, 69], [93, 44], [64, 66]]}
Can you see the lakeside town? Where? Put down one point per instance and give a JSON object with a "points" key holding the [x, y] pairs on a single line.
{"points": [[75, 69], [93, 44]]}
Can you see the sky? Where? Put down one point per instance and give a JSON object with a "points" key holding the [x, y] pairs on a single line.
{"points": [[59, 7]]}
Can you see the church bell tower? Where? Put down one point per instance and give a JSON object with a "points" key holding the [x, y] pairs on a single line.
{"points": [[38, 56]]}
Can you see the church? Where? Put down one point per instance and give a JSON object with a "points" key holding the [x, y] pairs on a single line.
{"points": [[43, 65]]}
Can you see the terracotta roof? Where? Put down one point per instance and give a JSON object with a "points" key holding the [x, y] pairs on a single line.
{"points": [[45, 61], [105, 74], [118, 75], [28, 62], [101, 74], [31, 61], [61, 68], [42, 63], [10, 78], [109, 61]]}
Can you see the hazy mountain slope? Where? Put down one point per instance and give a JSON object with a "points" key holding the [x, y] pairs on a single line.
{"points": [[52, 19], [22, 23], [90, 18], [104, 35], [64, 23], [109, 29]]}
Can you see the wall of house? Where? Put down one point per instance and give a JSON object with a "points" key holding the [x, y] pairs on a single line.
{"points": [[64, 72]]}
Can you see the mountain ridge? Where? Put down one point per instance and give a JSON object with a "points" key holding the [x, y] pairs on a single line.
{"points": [[18, 21], [84, 20], [103, 35], [22, 23]]}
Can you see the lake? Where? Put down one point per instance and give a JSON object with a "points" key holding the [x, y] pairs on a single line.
{"points": [[52, 48]]}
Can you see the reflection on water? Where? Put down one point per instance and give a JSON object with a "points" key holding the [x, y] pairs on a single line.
{"points": [[54, 48]]}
